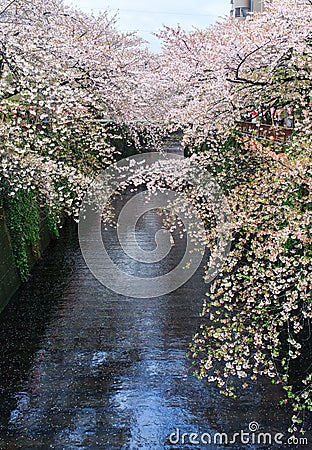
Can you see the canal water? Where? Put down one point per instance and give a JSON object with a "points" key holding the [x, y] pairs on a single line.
{"points": [[85, 368]]}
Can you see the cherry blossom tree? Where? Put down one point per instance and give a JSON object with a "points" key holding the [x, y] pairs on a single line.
{"points": [[67, 102], [62, 70], [259, 308]]}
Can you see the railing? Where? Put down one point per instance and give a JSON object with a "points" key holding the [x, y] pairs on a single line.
{"points": [[267, 132]]}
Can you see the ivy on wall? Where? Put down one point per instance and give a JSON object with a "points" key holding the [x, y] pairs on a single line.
{"points": [[23, 223], [24, 227]]}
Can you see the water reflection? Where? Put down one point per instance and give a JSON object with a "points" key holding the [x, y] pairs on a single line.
{"points": [[82, 367]]}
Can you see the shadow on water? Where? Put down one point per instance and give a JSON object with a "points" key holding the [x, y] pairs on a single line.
{"points": [[23, 322], [85, 368]]}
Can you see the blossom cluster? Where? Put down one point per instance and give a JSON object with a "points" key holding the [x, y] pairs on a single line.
{"points": [[257, 314], [65, 74], [68, 94]]}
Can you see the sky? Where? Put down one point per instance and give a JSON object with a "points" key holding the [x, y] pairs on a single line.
{"points": [[148, 17]]}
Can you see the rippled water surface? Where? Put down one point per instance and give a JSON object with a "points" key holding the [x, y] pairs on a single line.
{"points": [[84, 368]]}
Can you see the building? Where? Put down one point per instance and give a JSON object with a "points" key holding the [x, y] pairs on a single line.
{"points": [[242, 8]]}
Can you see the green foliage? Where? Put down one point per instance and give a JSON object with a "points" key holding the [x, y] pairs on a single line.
{"points": [[24, 227], [23, 217], [291, 243], [53, 222]]}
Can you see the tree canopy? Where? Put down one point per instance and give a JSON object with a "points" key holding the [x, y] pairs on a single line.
{"points": [[63, 72]]}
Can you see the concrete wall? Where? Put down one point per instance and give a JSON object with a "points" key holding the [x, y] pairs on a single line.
{"points": [[242, 3], [251, 5], [257, 5]]}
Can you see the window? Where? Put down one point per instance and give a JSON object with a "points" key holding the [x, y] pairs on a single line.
{"points": [[242, 12]]}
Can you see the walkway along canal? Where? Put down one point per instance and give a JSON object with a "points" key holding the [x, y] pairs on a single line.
{"points": [[85, 368]]}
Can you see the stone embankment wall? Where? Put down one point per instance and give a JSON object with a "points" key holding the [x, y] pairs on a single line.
{"points": [[10, 279]]}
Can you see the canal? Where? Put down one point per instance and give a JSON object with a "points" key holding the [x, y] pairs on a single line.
{"points": [[85, 368]]}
